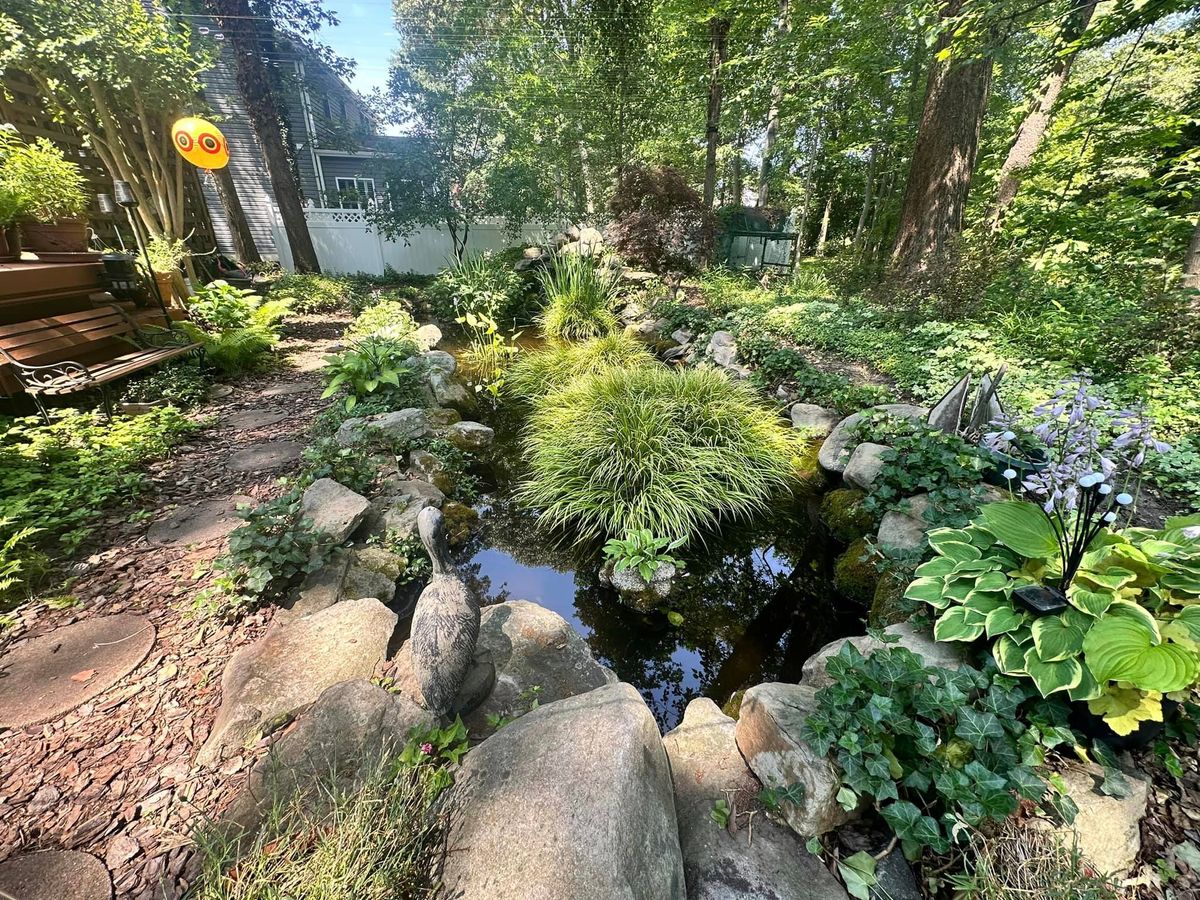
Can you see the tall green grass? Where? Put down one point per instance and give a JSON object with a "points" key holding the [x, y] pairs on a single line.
{"points": [[579, 299], [554, 366], [672, 452]]}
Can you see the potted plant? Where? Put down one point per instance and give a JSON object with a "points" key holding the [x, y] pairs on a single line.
{"points": [[12, 204], [53, 193], [166, 255]]}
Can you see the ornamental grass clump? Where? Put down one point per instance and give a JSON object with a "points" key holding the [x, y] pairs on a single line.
{"points": [[556, 365], [579, 299], [648, 448]]}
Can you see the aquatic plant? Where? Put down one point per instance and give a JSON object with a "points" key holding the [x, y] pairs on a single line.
{"points": [[554, 366], [579, 299], [672, 452]]}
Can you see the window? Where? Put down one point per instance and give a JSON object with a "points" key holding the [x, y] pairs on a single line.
{"points": [[355, 193]]}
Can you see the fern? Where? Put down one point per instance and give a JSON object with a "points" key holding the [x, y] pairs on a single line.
{"points": [[236, 351], [11, 559]]}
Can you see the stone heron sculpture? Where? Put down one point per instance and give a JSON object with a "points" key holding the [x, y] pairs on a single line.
{"points": [[445, 625]]}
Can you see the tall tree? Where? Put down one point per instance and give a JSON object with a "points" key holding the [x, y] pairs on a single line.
{"points": [[943, 159], [1033, 127], [718, 31], [771, 137], [247, 35]]}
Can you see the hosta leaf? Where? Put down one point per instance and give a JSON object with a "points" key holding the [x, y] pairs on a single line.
{"points": [[937, 567], [1003, 620], [1125, 709], [1056, 638], [1052, 677], [1121, 648], [1094, 603], [955, 625], [1087, 689], [1021, 526], [982, 602], [959, 552], [992, 581], [1009, 656], [928, 590], [1112, 579]]}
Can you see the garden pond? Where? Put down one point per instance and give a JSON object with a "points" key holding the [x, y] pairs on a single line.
{"points": [[753, 603]]}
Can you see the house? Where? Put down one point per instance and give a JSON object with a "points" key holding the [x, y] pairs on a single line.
{"points": [[329, 130]]}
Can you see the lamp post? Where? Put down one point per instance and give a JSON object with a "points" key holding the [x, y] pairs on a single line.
{"points": [[123, 194]]}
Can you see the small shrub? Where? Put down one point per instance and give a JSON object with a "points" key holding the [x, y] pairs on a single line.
{"points": [[326, 458], [579, 299], [219, 306], [488, 354], [484, 285], [642, 551], [235, 327], [181, 384], [387, 319], [551, 367], [671, 452], [724, 291], [373, 367], [659, 220], [314, 293], [266, 556]]}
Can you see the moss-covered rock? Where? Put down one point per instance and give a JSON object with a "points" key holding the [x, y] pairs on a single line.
{"points": [[733, 706], [843, 514], [854, 573], [810, 475], [460, 520], [888, 606]]}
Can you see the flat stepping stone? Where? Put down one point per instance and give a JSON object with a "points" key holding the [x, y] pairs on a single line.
{"points": [[253, 419], [55, 673], [264, 457], [284, 390], [55, 875], [200, 523]]}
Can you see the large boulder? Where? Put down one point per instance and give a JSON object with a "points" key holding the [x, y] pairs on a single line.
{"points": [[529, 647], [770, 737], [440, 360], [835, 452], [470, 436], [947, 655], [865, 465], [1106, 829], [571, 800], [428, 336], [352, 726], [334, 508], [762, 862], [400, 426], [900, 531], [447, 391], [813, 418], [291, 665]]}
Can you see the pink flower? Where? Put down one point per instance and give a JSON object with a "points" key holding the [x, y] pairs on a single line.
{"points": [[427, 748]]}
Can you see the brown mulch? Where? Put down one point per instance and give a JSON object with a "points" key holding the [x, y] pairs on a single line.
{"points": [[1173, 819], [115, 777]]}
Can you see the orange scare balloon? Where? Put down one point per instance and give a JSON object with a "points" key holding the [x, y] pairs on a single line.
{"points": [[200, 142]]}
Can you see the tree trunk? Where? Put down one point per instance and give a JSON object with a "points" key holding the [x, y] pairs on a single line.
{"points": [[868, 193], [772, 135], [735, 176], [824, 232], [239, 228], [1033, 127], [943, 160], [254, 83], [718, 30], [1191, 262]]}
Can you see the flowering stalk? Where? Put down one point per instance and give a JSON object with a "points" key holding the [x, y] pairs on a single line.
{"points": [[1095, 455]]}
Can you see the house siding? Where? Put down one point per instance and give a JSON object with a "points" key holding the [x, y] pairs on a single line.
{"points": [[246, 163]]}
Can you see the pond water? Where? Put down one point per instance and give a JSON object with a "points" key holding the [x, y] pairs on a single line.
{"points": [[755, 602]]}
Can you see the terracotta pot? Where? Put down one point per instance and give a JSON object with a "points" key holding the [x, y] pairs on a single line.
{"points": [[63, 237], [166, 286], [10, 243]]}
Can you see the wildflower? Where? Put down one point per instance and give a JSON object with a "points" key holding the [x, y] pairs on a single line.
{"points": [[427, 748]]}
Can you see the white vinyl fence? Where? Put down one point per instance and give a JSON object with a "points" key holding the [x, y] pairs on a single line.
{"points": [[346, 244]]}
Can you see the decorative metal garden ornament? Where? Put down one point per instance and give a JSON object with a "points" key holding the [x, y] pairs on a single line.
{"points": [[445, 625], [200, 142], [947, 413]]}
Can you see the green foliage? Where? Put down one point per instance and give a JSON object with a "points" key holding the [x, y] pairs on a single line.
{"points": [[649, 448], [938, 752], [60, 478], [387, 319], [416, 562], [181, 384], [579, 299], [219, 306], [642, 551], [488, 354], [1128, 634], [14, 551], [485, 285], [236, 328], [266, 556], [924, 460], [845, 514], [549, 368], [166, 254], [326, 458], [375, 837], [314, 293], [455, 464], [725, 291], [372, 367], [44, 184]]}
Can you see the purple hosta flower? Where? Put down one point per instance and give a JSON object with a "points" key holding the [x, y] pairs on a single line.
{"points": [[427, 748]]}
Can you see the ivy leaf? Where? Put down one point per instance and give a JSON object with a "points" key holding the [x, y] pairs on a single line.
{"points": [[858, 874], [977, 727]]}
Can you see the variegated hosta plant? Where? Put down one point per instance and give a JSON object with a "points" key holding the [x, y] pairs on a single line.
{"points": [[1123, 635]]}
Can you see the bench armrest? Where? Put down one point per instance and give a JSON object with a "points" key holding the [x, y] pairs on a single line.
{"points": [[37, 377]]}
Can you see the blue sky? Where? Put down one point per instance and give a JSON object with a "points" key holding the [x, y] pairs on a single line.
{"points": [[366, 34]]}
